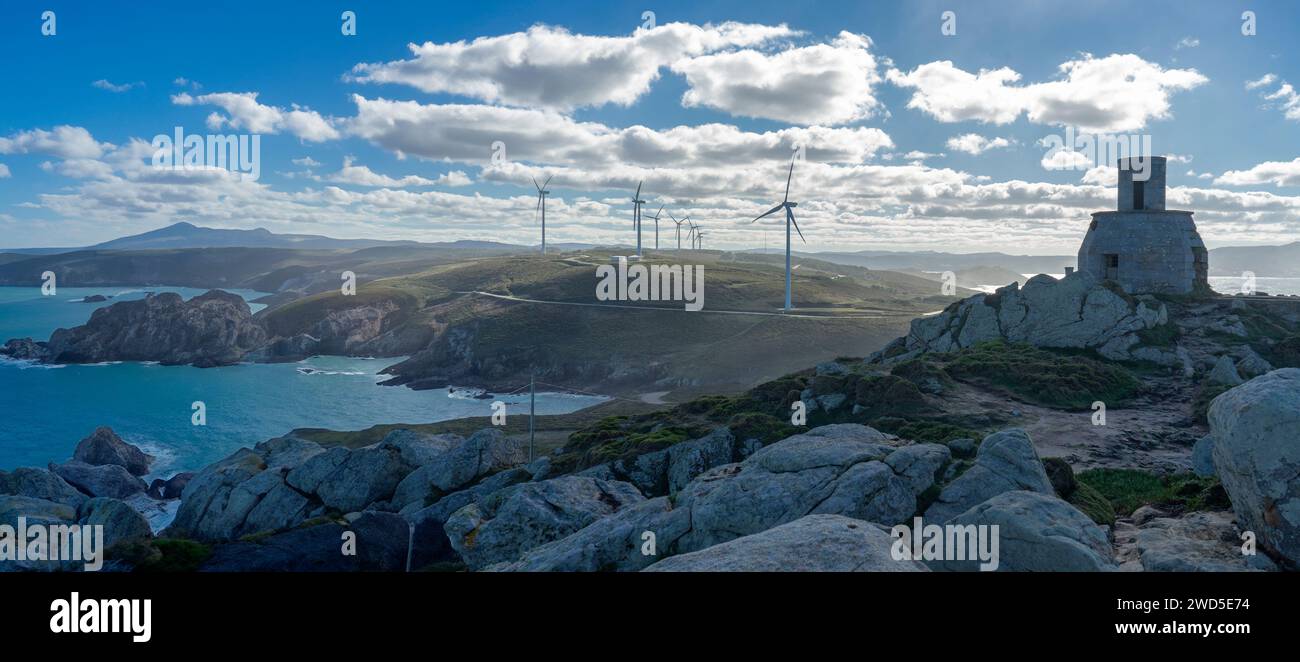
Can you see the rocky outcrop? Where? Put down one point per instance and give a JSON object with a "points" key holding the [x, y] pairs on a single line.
{"points": [[25, 349], [1005, 462], [1224, 372], [172, 488], [1255, 428], [816, 543], [105, 480], [40, 484], [103, 446], [1203, 456], [1036, 532], [669, 470], [380, 546], [215, 328], [284, 482], [1204, 541], [1077, 311], [122, 524], [627, 541], [521, 517]]}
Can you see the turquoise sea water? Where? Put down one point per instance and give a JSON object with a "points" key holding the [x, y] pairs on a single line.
{"points": [[46, 410]]}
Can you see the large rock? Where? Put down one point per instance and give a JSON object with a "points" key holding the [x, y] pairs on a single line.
{"points": [[1256, 430], [122, 524], [837, 469], [316, 548], [430, 543], [1224, 372], [447, 463], [1037, 533], [1006, 461], [629, 540], [815, 543], [1203, 456], [40, 484], [103, 446], [35, 510], [215, 328], [349, 480], [1195, 542], [25, 349], [667, 471], [1077, 311], [107, 480], [519, 518]]}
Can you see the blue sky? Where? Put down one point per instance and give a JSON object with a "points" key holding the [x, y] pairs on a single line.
{"points": [[907, 144]]}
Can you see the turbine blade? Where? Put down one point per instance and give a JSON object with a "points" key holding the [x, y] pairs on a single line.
{"points": [[638, 189], [790, 215], [548, 181], [535, 184], [787, 181], [771, 211]]}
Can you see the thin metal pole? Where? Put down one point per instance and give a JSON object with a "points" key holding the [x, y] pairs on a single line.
{"points": [[532, 409]]}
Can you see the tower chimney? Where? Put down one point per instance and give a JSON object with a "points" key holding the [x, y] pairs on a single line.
{"points": [[1142, 183]]}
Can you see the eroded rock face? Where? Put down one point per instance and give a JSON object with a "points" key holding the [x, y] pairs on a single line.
{"points": [[1036, 533], [617, 542], [1195, 542], [105, 480], [215, 328], [40, 484], [514, 520], [1005, 462], [815, 543], [1077, 311], [25, 349], [103, 446], [1256, 430], [669, 470]]}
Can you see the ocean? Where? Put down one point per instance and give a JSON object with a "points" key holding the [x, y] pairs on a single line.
{"points": [[46, 410]]}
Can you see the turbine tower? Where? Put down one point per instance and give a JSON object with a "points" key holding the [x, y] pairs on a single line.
{"points": [[656, 218], [541, 206], [691, 235], [679, 229], [789, 221], [699, 237], [636, 215]]}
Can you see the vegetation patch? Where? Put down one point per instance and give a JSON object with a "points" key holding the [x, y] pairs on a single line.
{"points": [[1129, 489], [924, 431], [1204, 396], [176, 555], [1037, 376], [1164, 335]]}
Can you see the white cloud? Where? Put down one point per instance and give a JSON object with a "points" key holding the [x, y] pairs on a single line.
{"points": [[246, 113], [1113, 93], [1187, 42], [1066, 159], [4, 171], [111, 87], [550, 67], [1278, 173], [69, 142], [1287, 100], [466, 133], [973, 143], [185, 82], [819, 84], [307, 161], [359, 175], [1266, 79]]}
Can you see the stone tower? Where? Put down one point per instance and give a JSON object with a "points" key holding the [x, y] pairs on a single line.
{"points": [[1142, 246]]}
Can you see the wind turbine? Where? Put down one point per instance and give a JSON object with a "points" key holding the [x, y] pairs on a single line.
{"points": [[656, 217], [679, 229], [636, 215], [541, 206], [690, 236], [699, 237], [789, 221]]}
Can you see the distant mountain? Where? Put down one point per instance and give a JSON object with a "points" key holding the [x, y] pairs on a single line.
{"points": [[933, 261], [1277, 261], [188, 235]]}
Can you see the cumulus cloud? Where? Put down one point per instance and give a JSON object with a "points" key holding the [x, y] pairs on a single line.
{"points": [[111, 87], [1113, 93], [819, 84], [360, 175], [1278, 173], [550, 67], [467, 133], [307, 161], [244, 112], [1266, 79], [69, 142], [4, 171], [973, 143]]}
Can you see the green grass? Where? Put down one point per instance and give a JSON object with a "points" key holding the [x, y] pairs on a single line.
{"points": [[1057, 380], [176, 555], [926, 431], [1129, 489], [1164, 335]]}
